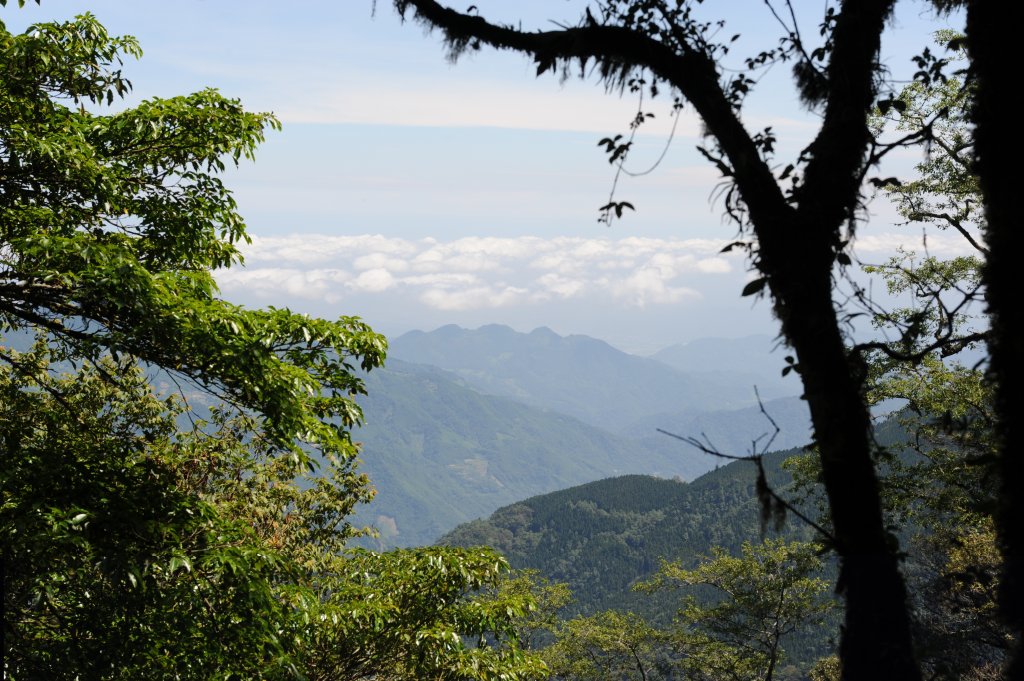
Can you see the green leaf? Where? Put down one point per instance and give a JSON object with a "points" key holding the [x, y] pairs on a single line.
{"points": [[755, 286]]}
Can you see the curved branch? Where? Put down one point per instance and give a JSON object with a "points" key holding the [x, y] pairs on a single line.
{"points": [[956, 224], [618, 51], [947, 345]]}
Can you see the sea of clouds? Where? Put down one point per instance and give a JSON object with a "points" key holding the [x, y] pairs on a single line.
{"points": [[493, 272], [479, 272]]}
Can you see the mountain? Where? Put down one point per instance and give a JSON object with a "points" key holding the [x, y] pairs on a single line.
{"points": [[734, 431], [603, 537], [576, 375], [758, 356], [440, 453], [749, 354]]}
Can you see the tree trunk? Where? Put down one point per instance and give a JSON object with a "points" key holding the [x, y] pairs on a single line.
{"points": [[993, 29], [875, 641]]}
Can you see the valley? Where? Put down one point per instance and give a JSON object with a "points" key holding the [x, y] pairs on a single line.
{"points": [[463, 422]]}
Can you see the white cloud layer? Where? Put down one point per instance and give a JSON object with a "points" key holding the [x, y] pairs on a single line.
{"points": [[480, 272]]}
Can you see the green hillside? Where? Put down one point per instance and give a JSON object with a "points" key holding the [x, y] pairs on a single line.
{"points": [[440, 453], [603, 537]]}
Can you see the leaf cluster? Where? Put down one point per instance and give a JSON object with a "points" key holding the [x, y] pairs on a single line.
{"points": [[143, 538], [112, 223]]}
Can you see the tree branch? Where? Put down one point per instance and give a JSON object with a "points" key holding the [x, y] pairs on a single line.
{"points": [[955, 224], [619, 51], [831, 178]]}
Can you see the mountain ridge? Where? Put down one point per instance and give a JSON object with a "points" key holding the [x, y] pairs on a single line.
{"points": [[577, 375]]}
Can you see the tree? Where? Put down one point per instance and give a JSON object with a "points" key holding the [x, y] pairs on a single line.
{"points": [[111, 225], [759, 598], [115, 567], [937, 485], [997, 146], [548, 598], [133, 547], [608, 646], [796, 224], [414, 614], [137, 550]]}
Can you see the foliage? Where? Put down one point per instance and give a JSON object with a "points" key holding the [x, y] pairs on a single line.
{"points": [[608, 646], [826, 669], [549, 600], [137, 550], [945, 192], [765, 594], [139, 540], [111, 223], [937, 485], [115, 568], [944, 195], [411, 614], [937, 482]]}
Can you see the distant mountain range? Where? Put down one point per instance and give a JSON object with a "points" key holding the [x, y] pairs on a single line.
{"points": [[757, 355], [441, 453], [591, 380], [491, 416], [500, 417]]}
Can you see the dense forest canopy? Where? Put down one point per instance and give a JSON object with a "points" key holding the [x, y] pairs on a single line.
{"points": [[142, 539]]}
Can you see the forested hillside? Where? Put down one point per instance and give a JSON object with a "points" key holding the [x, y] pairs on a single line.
{"points": [[440, 453], [605, 536]]}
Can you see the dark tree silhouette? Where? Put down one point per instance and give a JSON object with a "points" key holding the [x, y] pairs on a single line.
{"points": [[799, 225], [992, 30]]}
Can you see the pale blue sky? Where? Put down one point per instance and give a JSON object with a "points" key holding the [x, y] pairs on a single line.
{"points": [[481, 181]]}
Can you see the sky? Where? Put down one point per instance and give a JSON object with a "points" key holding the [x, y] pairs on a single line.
{"points": [[415, 192]]}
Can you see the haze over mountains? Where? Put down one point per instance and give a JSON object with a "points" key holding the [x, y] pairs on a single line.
{"points": [[462, 422], [593, 381]]}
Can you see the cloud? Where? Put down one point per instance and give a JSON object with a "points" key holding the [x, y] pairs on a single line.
{"points": [[373, 281], [476, 273], [940, 245], [480, 297], [649, 286]]}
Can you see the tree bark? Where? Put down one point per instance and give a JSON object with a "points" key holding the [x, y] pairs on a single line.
{"points": [[993, 31], [875, 641]]}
